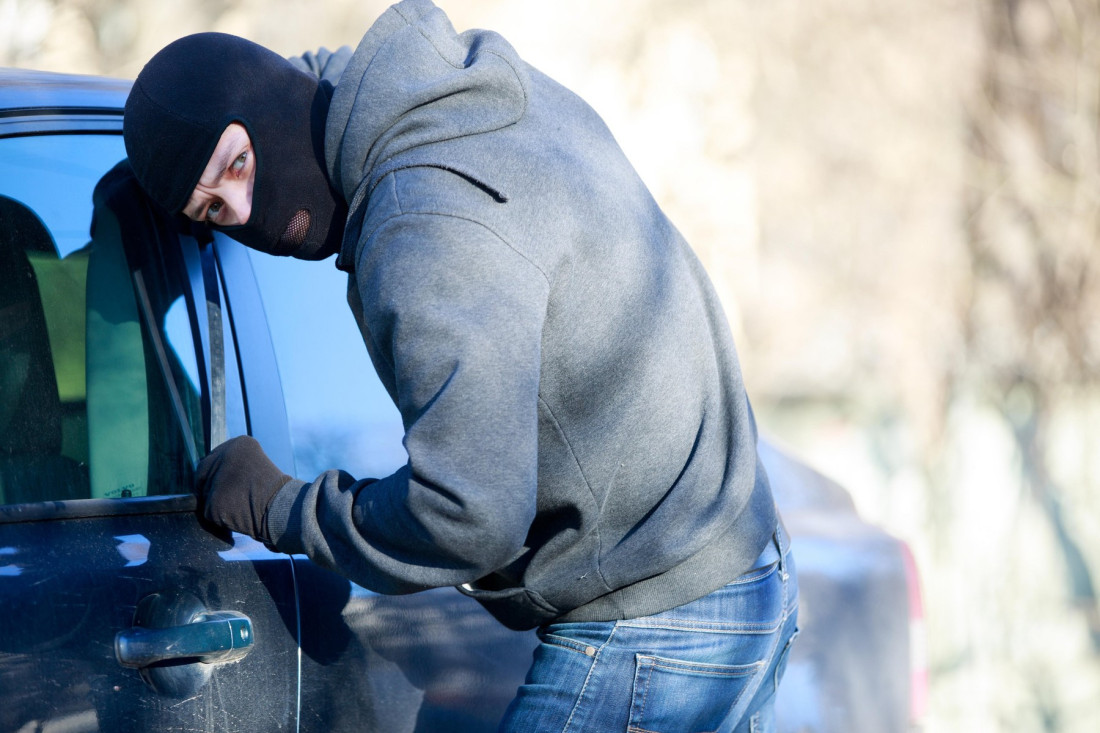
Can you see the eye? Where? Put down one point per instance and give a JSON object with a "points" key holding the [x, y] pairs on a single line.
{"points": [[213, 210], [238, 164]]}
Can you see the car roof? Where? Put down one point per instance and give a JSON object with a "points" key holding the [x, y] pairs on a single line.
{"points": [[34, 92]]}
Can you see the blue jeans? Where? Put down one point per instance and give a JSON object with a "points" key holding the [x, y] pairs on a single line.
{"points": [[709, 665]]}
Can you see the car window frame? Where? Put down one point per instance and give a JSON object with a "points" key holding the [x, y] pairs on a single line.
{"points": [[241, 296]]}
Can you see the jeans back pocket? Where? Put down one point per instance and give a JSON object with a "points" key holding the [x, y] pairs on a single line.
{"points": [[674, 696]]}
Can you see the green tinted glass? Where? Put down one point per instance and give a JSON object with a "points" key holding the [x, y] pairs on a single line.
{"points": [[99, 396]]}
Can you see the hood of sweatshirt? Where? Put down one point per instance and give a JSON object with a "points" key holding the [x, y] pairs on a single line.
{"points": [[413, 84]]}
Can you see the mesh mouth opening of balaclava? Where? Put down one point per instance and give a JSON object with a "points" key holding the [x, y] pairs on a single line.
{"points": [[296, 231]]}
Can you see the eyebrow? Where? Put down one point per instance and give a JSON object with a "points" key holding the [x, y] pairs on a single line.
{"points": [[222, 164]]}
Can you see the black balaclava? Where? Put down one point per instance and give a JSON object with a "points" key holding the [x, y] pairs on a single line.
{"points": [[180, 105]]}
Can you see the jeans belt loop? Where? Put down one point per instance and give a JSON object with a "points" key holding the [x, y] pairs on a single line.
{"points": [[778, 537]]}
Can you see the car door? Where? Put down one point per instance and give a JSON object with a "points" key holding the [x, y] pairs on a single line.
{"points": [[118, 370]]}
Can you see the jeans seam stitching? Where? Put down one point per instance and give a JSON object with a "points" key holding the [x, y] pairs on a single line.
{"points": [[588, 678], [718, 670], [645, 697], [562, 642], [762, 678], [715, 627]]}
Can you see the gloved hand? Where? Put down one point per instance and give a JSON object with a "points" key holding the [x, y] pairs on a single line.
{"points": [[235, 484]]}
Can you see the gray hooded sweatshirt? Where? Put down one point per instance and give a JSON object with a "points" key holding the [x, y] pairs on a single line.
{"points": [[580, 443]]}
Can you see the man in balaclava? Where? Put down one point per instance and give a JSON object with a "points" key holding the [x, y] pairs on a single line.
{"points": [[581, 451], [175, 120]]}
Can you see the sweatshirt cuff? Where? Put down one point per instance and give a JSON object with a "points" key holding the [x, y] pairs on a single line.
{"points": [[284, 517]]}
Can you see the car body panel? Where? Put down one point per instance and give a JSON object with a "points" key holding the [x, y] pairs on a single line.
{"points": [[429, 661], [69, 585], [26, 93]]}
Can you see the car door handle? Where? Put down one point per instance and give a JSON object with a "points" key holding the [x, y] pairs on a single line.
{"points": [[220, 636]]}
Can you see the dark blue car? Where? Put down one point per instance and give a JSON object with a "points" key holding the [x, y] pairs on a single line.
{"points": [[129, 346]]}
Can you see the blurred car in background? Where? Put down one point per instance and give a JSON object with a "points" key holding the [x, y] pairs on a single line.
{"points": [[130, 347]]}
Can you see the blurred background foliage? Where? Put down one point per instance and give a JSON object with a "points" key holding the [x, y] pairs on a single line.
{"points": [[900, 204]]}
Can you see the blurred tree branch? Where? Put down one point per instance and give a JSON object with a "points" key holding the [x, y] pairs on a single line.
{"points": [[1033, 219]]}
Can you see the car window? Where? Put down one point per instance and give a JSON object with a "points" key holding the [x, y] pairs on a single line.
{"points": [[103, 393], [339, 413]]}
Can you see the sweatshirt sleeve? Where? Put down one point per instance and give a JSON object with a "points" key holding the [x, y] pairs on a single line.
{"points": [[455, 317]]}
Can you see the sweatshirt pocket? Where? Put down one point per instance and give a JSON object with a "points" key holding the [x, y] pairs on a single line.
{"points": [[517, 608]]}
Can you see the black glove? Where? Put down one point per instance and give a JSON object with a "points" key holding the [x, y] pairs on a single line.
{"points": [[235, 484]]}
